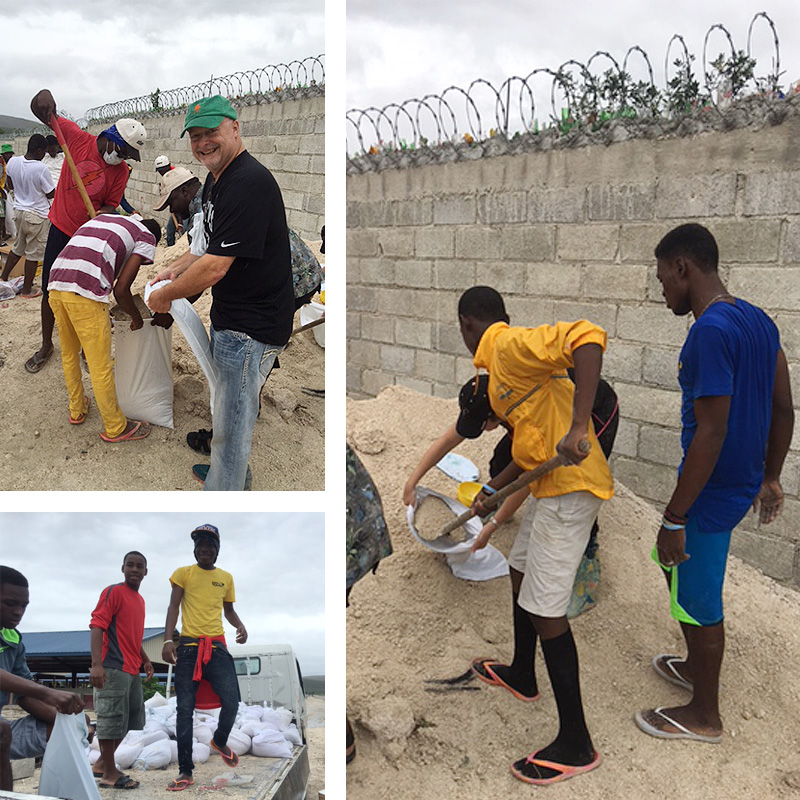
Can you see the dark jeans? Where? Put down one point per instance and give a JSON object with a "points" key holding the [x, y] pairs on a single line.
{"points": [[57, 240], [221, 674]]}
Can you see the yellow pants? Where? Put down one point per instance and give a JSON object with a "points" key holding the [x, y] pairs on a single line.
{"points": [[84, 323]]}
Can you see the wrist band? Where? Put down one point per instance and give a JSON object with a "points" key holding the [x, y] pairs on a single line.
{"points": [[671, 526], [488, 489], [673, 517]]}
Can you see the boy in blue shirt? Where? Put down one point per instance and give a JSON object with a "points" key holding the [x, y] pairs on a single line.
{"points": [[737, 420]]}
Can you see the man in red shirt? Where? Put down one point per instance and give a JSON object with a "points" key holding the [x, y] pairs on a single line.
{"points": [[117, 659], [100, 163]]}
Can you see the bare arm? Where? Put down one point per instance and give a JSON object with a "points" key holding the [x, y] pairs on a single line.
{"points": [[588, 360], [65, 702], [177, 267], [233, 618], [122, 290], [168, 652], [438, 450], [146, 664], [205, 271], [97, 674], [503, 514]]}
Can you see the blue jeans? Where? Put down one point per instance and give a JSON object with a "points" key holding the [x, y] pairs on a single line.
{"points": [[221, 674], [243, 364]]}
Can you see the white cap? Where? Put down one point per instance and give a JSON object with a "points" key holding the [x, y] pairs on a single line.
{"points": [[162, 161], [132, 132], [172, 180]]}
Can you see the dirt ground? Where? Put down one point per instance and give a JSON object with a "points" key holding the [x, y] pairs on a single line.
{"points": [[153, 782], [39, 449], [413, 620]]}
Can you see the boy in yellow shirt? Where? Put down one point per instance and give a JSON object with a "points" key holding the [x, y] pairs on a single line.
{"points": [[531, 392], [201, 593]]}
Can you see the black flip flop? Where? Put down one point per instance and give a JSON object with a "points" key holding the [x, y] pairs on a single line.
{"points": [[200, 441]]}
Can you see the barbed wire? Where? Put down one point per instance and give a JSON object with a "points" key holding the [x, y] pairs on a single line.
{"points": [[583, 97]]}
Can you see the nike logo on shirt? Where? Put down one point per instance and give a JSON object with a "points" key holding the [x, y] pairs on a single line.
{"points": [[228, 244]]}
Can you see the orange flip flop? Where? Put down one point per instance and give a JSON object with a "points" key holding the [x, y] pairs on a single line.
{"points": [[482, 668], [139, 431], [231, 760], [564, 770], [82, 418]]}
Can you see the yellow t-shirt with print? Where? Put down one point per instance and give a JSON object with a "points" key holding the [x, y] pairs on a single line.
{"points": [[204, 592]]}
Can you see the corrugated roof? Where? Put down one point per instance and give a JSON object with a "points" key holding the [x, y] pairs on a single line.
{"points": [[67, 643]]}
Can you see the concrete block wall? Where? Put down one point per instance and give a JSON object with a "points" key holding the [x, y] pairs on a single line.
{"points": [[288, 137], [568, 234]]}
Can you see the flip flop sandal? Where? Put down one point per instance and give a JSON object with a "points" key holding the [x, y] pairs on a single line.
{"points": [[483, 670], [82, 418], [178, 785], [231, 760], [123, 782], [664, 666], [32, 296], [682, 733], [140, 430], [200, 441], [33, 364], [564, 771]]}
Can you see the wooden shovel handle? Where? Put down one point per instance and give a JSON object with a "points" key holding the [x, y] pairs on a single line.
{"points": [[72, 168]]}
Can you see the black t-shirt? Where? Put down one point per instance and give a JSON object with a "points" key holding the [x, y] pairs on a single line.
{"points": [[244, 217]]}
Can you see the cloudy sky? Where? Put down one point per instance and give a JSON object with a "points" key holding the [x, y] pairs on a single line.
{"points": [[89, 52], [277, 563], [397, 51]]}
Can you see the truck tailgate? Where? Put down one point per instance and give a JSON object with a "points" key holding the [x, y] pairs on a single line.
{"points": [[286, 779]]}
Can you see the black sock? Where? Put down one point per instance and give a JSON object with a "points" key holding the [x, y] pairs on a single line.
{"points": [[573, 745], [524, 645]]}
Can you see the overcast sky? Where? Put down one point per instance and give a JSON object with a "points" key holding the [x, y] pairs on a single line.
{"points": [[89, 52], [397, 51], [277, 563]]}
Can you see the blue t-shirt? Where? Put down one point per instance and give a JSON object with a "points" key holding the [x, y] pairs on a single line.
{"points": [[730, 351]]}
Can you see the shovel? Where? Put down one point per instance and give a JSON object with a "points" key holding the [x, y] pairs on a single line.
{"points": [[72, 168], [523, 480]]}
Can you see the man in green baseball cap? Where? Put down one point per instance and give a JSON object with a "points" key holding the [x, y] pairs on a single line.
{"points": [[246, 259]]}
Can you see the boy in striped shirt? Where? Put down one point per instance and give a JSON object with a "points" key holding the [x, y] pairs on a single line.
{"points": [[105, 253]]}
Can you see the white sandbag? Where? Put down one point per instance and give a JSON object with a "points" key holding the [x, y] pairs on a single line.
{"points": [[253, 712], [200, 752], [143, 373], [150, 736], [154, 756], [94, 756], [293, 735], [173, 751], [252, 728], [156, 724], [156, 701], [270, 744], [195, 334], [126, 754], [238, 742], [95, 744], [11, 223], [274, 717], [202, 732], [65, 768]]}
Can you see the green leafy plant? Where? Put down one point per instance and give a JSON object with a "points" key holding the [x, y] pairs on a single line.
{"points": [[733, 73]]}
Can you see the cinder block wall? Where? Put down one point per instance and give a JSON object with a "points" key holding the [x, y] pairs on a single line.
{"points": [[288, 137], [568, 234]]}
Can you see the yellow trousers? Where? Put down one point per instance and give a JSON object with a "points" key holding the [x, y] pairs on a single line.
{"points": [[84, 323]]}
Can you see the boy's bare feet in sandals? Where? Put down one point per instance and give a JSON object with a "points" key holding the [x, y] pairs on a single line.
{"points": [[135, 429]]}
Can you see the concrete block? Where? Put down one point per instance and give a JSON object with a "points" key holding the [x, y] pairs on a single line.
{"points": [[747, 241], [437, 367], [353, 325], [769, 287], [638, 242], [660, 445], [695, 196], [380, 271], [377, 328], [424, 387], [595, 242], [552, 280], [787, 525], [507, 277], [623, 361], [353, 379], [396, 360], [789, 328], [502, 207], [435, 242], [645, 404], [455, 210], [624, 203], [362, 298], [530, 311], [362, 243], [558, 204], [790, 475], [296, 163], [653, 324], [465, 369], [653, 482], [458, 275], [413, 333], [414, 273], [478, 243], [447, 337], [601, 314], [372, 381], [626, 442], [396, 241], [771, 194], [22, 768], [413, 212], [378, 215], [660, 366], [607, 281], [773, 556], [363, 353], [407, 303], [446, 390], [529, 243]]}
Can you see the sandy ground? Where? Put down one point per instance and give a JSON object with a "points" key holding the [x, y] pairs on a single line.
{"points": [[39, 449], [153, 782], [413, 620]]}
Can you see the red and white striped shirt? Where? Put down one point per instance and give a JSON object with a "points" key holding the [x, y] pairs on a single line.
{"points": [[95, 255]]}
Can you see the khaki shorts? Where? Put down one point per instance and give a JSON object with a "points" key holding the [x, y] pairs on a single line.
{"points": [[32, 233], [119, 705], [559, 534]]}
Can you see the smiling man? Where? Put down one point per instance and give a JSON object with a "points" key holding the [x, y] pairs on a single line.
{"points": [[248, 264]]}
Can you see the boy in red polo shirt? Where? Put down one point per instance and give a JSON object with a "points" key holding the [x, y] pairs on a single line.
{"points": [[117, 659]]}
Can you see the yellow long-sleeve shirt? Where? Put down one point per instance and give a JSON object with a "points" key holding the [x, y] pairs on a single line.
{"points": [[530, 389]]}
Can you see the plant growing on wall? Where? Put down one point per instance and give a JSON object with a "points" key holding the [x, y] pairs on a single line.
{"points": [[732, 73], [683, 90]]}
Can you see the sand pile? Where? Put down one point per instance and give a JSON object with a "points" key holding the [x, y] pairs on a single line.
{"points": [[414, 621], [39, 449]]}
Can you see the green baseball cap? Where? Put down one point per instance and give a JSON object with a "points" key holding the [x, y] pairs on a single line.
{"points": [[208, 113], [7, 148]]}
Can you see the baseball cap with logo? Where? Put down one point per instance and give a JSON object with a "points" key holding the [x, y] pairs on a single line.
{"points": [[208, 113], [162, 161], [174, 179], [206, 531], [473, 400], [131, 132]]}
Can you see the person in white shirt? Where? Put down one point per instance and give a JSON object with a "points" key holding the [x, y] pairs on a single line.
{"points": [[53, 158], [33, 188]]}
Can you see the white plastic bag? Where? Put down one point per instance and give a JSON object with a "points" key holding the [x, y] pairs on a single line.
{"points": [[271, 744], [126, 754], [238, 742], [143, 373], [293, 735], [154, 756], [65, 769], [156, 701]]}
